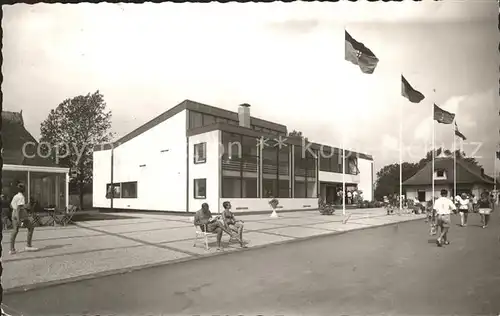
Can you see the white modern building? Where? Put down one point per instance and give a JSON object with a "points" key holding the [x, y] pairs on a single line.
{"points": [[195, 153]]}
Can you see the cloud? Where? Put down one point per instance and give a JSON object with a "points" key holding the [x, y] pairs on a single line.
{"points": [[390, 142]]}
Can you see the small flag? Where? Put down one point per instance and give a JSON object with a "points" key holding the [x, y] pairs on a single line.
{"points": [[498, 154], [457, 132], [443, 116], [408, 92], [358, 54]]}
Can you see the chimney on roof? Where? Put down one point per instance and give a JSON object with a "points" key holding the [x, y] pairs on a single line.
{"points": [[244, 115]]}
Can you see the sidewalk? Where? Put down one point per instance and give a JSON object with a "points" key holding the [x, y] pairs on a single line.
{"points": [[103, 247]]}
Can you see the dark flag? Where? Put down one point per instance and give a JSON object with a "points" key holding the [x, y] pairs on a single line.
{"points": [[408, 92], [498, 154], [358, 54], [457, 132], [443, 116]]}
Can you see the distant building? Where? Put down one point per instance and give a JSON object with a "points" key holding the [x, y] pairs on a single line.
{"points": [[23, 162], [471, 179], [190, 155]]}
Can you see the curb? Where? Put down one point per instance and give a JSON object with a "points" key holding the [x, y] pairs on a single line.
{"points": [[26, 288]]}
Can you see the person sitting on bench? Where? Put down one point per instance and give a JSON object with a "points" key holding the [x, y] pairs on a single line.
{"points": [[232, 223], [207, 223]]}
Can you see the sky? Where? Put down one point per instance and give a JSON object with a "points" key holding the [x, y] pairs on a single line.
{"points": [[286, 60]]}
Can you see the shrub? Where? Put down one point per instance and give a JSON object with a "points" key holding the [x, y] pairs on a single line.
{"points": [[274, 203]]}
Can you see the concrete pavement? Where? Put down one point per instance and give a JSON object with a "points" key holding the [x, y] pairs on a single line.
{"points": [[392, 270], [97, 248]]}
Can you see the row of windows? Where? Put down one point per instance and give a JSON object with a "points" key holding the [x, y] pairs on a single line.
{"points": [[197, 120], [124, 190], [334, 164]]}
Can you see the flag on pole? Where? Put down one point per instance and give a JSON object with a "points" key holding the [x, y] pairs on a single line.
{"points": [[457, 132], [442, 116], [498, 154], [408, 92], [358, 54]]}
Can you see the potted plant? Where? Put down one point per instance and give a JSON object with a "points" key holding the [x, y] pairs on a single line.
{"points": [[274, 204]]}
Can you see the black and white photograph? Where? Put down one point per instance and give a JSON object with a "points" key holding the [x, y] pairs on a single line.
{"points": [[273, 159]]}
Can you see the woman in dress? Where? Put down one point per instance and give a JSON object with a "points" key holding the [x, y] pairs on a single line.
{"points": [[485, 208]]}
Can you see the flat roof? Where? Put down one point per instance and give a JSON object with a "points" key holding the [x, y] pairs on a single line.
{"points": [[193, 106], [290, 140]]}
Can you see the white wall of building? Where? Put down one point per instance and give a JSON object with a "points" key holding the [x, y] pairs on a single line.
{"points": [[156, 159], [101, 176], [325, 176], [248, 205], [412, 192], [208, 170], [365, 183], [364, 179]]}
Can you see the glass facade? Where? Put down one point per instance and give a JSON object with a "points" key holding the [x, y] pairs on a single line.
{"points": [[305, 173], [242, 171], [331, 161], [240, 161], [46, 188]]}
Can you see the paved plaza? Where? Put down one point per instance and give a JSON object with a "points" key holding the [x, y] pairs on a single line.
{"points": [[390, 270], [103, 247]]}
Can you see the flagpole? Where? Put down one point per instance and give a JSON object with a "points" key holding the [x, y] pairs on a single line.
{"points": [[343, 172], [454, 165], [433, 150], [400, 159]]}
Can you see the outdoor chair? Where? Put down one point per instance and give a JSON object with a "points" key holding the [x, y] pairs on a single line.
{"points": [[64, 218], [202, 234]]}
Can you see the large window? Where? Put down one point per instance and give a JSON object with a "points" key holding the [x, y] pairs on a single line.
{"points": [[115, 191], [200, 188], [331, 161], [239, 166], [305, 180], [200, 153], [352, 165], [129, 190]]}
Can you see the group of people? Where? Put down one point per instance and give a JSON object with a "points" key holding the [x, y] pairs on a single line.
{"points": [[226, 223], [351, 196], [439, 215]]}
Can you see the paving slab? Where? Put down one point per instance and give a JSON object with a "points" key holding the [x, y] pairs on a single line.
{"points": [[187, 245], [137, 227], [261, 225], [297, 232], [68, 246], [338, 226], [116, 222], [259, 239], [49, 234], [295, 221], [72, 266], [163, 235]]}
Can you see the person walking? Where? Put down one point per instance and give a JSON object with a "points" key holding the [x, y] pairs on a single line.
{"points": [[20, 219], [444, 207], [485, 204], [463, 209]]}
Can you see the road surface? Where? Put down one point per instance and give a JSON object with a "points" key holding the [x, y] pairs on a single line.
{"points": [[392, 270]]}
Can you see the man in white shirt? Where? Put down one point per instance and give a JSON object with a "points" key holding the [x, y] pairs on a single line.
{"points": [[444, 207], [463, 208], [20, 219]]}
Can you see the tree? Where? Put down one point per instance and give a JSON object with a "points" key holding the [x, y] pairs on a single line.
{"points": [[70, 133], [296, 133], [388, 177]]}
